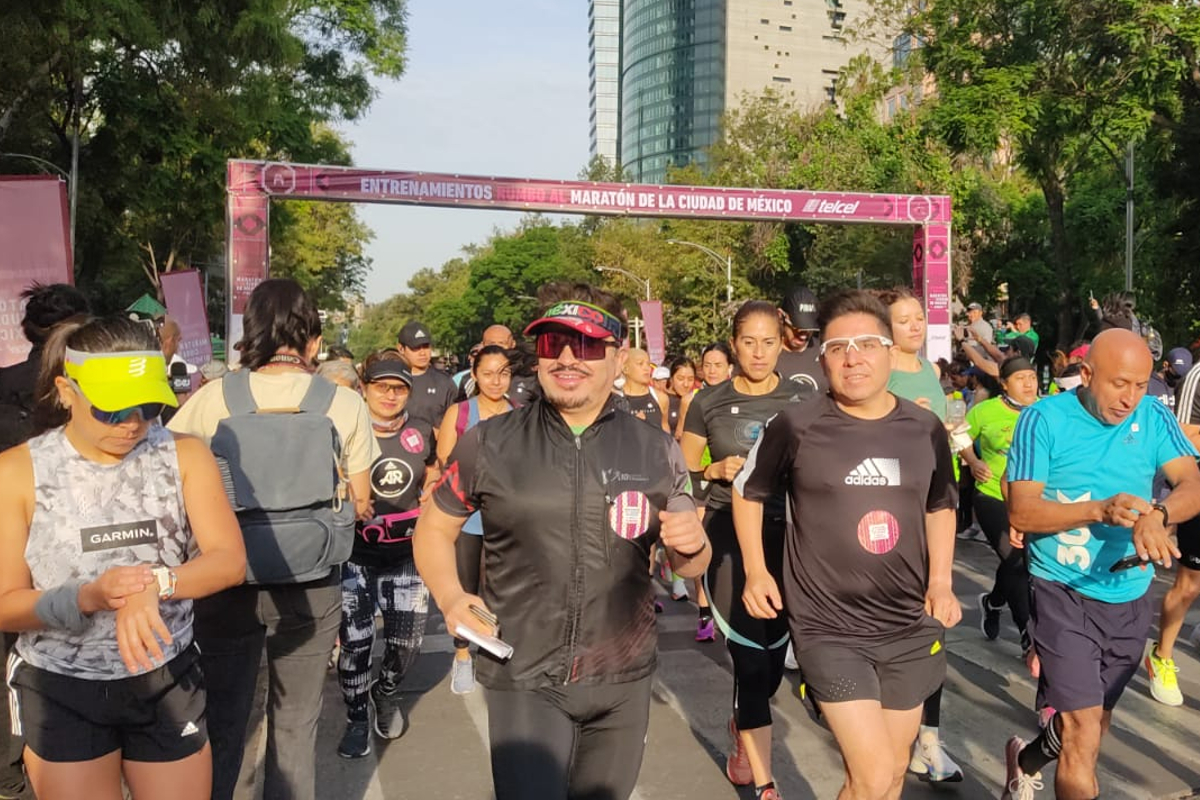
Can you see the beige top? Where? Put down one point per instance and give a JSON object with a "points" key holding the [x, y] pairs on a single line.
{"points": [[202, 412]]}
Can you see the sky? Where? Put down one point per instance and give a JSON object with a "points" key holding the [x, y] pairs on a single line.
{"points": [[492, 89]]}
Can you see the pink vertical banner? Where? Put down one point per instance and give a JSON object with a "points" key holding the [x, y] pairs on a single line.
{"points": [[248, 210], [184, 295], [931, 278], [35, 239], [656, 339]]}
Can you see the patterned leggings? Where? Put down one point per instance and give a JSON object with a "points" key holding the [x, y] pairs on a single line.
{"points": [[400, 595]]}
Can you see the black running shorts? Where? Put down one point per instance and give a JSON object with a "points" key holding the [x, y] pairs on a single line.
{"points": [[899, 673], [1089, 649], [155, 717], [1188, 536]]}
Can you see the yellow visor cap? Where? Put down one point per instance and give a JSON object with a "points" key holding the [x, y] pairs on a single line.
{"points": [[113, 381]]}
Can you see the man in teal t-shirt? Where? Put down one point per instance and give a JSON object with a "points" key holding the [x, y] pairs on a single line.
{"points": [[1080, 473]]}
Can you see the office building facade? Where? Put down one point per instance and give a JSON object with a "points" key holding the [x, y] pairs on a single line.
{"points": [[604, 79], [683, 63]]}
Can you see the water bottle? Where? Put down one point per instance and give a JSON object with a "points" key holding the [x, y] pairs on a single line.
{"points": [[956, 410]]}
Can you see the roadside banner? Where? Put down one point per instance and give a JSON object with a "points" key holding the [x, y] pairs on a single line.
{"points": [[656, 340]]}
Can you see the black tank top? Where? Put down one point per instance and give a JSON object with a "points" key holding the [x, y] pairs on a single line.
{"points": [[647, 406], [674, 402]]}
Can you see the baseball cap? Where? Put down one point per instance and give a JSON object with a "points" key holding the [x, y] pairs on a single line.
{"points": [[414, 335], [800, 305], [583, 317], [1080, 352], [388, 368], [1180, 359], [1023, 345], [974, 307], [661, 374], [115, 381]]}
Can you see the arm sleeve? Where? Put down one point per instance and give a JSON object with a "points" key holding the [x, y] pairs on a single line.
{"points": [[1029, 454], [454, 491], [1170, 440], [769, 463], [681, 490], [360, 449], [943, 488]]}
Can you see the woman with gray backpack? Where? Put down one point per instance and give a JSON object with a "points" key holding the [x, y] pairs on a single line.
{"points": [[295, 453]]}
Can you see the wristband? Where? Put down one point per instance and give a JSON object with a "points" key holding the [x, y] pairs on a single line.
{"points": [[59, 608], [1163, 509], [692, 555]]}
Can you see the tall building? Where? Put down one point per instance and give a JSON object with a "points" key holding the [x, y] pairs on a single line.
{"points": [[684, 63], [604, 78]]}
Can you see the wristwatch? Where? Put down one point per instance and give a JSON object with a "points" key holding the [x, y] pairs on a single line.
{"points": [[1163, 509], [166, 578]]}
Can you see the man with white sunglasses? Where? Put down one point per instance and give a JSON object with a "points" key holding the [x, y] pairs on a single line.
{"points": [[868, 569]]}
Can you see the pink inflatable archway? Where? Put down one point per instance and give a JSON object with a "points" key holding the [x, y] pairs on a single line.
{"points": [[252, 184]]}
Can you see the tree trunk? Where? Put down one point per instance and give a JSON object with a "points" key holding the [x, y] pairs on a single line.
{"points": [[1052, 190]]}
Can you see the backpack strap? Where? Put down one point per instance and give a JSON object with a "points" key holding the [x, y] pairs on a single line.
{"points": [[235, 387], [319, 396], [464, 417]]}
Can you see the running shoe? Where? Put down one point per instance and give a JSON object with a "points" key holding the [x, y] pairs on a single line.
{"points": [[658, 607], [989, 621], [737, 765], [706, 630], [1045, 714], [770, 794], [1164, 686], [462, 676], [679, 591], [1018, 785], [356, 741], [789, 660], [972, 534], [932, 764], [390, 722]]}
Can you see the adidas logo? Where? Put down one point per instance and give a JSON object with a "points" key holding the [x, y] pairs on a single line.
{"points": [[189, 730], [875, 472]]}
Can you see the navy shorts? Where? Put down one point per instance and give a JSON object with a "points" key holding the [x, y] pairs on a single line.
{"points": [[155, 717], [1089, 649], [1187, 534], [900, 673]]}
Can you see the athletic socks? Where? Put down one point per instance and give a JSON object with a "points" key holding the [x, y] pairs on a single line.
{"points": [[704, 612], [1042, 750]]}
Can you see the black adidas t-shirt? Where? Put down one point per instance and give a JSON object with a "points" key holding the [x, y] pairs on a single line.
{"points": [[731, 423], [396, 480], [856, 563], [804, 369]]}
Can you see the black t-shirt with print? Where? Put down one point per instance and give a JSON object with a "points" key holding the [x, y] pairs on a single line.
{"points": [[857, 560], [396, 480], [804, 369], [731, 422], [645, 406], [433, 391]]}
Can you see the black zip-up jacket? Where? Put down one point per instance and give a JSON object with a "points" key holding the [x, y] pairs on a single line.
{"points": [[569, 521]]}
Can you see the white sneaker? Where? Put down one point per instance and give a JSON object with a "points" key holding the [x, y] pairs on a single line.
{"points": [[789, 660], [931, 762], [1018, 785], [679, 590]]}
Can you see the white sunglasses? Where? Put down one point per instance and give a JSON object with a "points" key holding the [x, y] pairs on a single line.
{"points": [[866, 344]]}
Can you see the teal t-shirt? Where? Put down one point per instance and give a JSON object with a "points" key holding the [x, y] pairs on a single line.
{"points": [[922, 383], [992, 423], [1077, 458]]}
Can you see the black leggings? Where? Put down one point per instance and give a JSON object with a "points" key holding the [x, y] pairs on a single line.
{"points": [[583, 742], [1012, 575], [758, 656], [468, 551]]}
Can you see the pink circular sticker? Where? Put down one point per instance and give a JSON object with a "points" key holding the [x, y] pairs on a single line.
{"points": [[629, 516], [878, 532], [412, 440]]}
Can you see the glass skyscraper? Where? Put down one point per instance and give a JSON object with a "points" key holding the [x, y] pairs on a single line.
{"points": [[604, 78]]}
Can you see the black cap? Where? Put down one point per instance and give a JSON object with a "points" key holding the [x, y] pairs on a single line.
{"points": [[1023, 345], [414, 335], [800, 305], [388, 368]]}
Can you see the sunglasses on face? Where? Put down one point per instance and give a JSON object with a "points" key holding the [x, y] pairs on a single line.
{"points": [[385, 389], [867, 344], [585, 348], [148, 411]]}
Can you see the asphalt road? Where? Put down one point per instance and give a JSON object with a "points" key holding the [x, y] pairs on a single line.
{"points": [[1152, 751]]}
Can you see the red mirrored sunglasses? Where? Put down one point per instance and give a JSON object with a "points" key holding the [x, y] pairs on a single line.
{"points": [[550, 344]]}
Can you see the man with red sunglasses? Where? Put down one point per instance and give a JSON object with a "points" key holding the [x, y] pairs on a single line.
{"points": [[574, 495]]}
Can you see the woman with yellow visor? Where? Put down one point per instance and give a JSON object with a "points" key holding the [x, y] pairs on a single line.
{"points": [[109, 527]]}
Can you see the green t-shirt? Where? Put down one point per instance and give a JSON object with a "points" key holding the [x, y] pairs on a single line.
{"points": [[992, 423]]}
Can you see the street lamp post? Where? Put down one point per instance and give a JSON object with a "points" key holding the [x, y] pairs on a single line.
{"points": [[50, 166], [637, 328], [727, 261]]}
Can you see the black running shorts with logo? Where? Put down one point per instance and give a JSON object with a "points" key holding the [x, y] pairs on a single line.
{"points": [[1188, 536], [900, 673], [1089, 650], [155, 717]]}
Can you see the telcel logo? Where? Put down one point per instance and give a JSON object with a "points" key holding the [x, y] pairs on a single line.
{"points": [[837, 207]]}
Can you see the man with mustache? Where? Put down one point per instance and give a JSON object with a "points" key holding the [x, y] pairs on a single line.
{"points": [[1081, 473], [574, 496]]}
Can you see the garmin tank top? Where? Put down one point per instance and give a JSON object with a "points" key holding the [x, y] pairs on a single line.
{"points": [[89, 517]]}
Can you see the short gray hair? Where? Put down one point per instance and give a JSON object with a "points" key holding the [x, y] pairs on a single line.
{"points": [[340, 372]]}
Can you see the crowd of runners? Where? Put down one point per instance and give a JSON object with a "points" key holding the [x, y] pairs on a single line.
{"points": [[803, 483]]}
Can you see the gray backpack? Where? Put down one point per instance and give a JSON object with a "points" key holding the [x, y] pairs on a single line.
{"points": [[283, 475]]}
